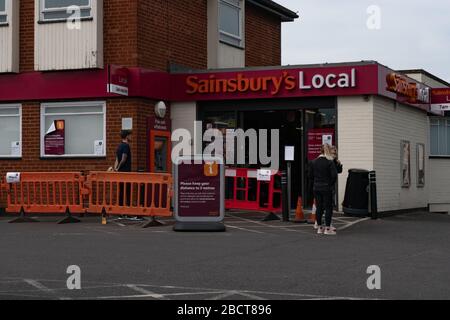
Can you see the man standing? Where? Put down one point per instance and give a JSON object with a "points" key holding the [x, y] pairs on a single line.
{"points": [[123, 164], [123, 153], [323, 174]]}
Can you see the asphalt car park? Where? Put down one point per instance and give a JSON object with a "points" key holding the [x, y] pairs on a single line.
{"points": [[253, 260]]}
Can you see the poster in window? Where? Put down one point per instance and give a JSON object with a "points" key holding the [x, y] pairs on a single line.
{"points": [[405, 164], [54, 140], [420, 165], [317, 138]]}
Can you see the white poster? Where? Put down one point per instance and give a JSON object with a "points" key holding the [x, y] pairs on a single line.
{"points": [[127, 123], [99, 148], [16, 150], [13, 177], [264, 175], [289, 153], [327, 139]]}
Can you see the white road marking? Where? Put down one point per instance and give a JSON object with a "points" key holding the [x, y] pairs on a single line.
{"points": [[38, 286], [224, 295], [237, 293], [143, 296], [140, 287], [251, 296], [41, 287], [98, 229], [268, 225], [348, 225], [145, 292], [244, 229]]}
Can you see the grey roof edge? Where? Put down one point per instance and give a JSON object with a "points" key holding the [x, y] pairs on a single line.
{"points": [[428, 74], [284, 13], [285, 67]]}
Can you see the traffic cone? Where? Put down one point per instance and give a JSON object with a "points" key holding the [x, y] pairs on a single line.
{"points": [[299, 215], [313, 217]]}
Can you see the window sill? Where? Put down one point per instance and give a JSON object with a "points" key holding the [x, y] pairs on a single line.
{"points": [[63, 20], [232, 45], [10, 158], [4, 25], [439, 157]]}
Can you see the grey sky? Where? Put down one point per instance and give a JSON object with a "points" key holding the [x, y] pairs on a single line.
{"points": [[414, 34]]}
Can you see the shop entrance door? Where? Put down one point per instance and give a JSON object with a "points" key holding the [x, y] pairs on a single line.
{"points": [[290, 125]]}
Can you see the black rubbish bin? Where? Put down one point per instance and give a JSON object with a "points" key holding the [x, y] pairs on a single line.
{"points": [[356, 201]]}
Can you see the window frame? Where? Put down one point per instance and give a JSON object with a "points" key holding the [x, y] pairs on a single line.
{"points": [[10, 106], [447, 133], [45, 106], [240, 38], [5, 13], [43, 10]]}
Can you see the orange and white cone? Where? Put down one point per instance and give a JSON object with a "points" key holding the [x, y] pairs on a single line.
{"points": [[299, 214]]}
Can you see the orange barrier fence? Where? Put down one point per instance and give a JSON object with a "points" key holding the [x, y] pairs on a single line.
{"points": [[46, 192], [140, 194], [105, 193]]}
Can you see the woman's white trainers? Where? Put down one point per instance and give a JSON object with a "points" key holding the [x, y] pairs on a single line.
{"points": [[330, 232], [320, 230]]}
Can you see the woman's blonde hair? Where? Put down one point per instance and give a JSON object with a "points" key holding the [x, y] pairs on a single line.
{"points": [[326, 151]]}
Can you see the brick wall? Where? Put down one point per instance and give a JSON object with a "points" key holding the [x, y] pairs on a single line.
{"points": [[116, 109], [26, 35], [120, 32], [172, 31], [263, 38]]}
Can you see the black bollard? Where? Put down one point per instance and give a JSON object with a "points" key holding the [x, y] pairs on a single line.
{"points": [[373, 195]]}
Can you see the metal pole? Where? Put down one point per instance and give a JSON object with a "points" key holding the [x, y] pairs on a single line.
{"points": [[284, 196], [289, 187]]}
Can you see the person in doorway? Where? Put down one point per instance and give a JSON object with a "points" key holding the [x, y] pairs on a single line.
{"points": [[323, 174]]}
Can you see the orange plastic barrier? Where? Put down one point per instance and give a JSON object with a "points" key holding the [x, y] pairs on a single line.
{"points": [[139, 194], [46, 192]]}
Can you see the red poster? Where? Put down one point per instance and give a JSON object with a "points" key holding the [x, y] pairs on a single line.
{"points": [[54, 140], [317, 138]]}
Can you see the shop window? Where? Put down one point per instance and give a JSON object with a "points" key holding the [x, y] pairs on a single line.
{"points": [[3, 14], [440, 137], [73, 129], [10, 131], [231, 22], [60, 10]]}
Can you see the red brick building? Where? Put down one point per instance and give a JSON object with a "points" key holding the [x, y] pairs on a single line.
{"points": [[54, 64]]}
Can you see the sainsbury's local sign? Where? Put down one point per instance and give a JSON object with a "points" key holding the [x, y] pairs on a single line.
{"points": [[271, 85], [282, 83]]}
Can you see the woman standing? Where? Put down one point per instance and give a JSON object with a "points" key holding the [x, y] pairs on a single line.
{"points": [[323, 174]]}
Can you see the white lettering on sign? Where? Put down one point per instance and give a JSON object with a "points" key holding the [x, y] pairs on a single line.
{"points": [[318, 81]]}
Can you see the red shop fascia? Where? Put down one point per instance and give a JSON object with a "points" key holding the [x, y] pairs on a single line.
{"points": [[346, 79], [115, 82]]}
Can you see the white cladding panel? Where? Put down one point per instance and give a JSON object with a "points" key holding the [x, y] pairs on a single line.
{"points": [[57, 47], [394, 122], [440, 185], [355, 137], [9, 39]]}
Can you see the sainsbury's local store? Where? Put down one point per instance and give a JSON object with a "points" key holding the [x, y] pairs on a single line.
{"points": [[380, 119]]}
